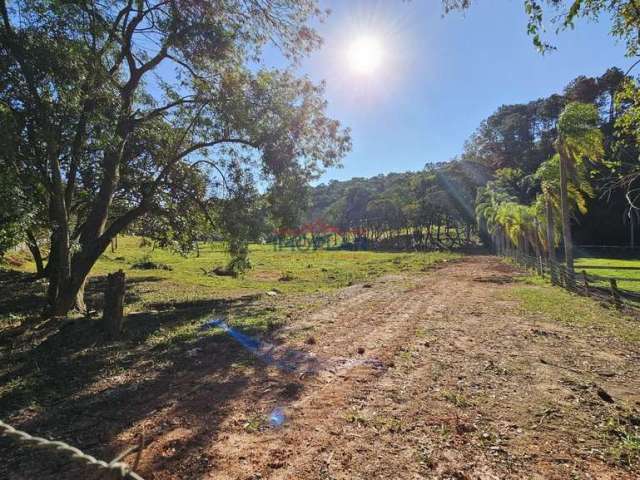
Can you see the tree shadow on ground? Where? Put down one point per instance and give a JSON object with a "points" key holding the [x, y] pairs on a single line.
{"points": [[24, 294], [23, 306], [76, 386], [21, 292]]}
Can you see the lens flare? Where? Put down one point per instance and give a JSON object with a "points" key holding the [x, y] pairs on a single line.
{"points": [[277, 417], [365, 55]]}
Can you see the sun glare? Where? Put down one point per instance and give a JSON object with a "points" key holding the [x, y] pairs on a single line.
{"points": [[365, 55]]}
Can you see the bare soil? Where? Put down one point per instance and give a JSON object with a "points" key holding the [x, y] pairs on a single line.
{"points": [[438, 376]]}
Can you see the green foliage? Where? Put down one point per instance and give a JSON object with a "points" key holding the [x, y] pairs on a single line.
{"points": [[16, 212], [441, 195], [502, 207], [456, 398], [623, 435], [623, 106], [628, 100], [579, 132], [240, 220], [628, 135], [515, 146], [288, 200]]}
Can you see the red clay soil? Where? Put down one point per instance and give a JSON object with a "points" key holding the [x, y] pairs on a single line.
{"points": [[437, 376]]}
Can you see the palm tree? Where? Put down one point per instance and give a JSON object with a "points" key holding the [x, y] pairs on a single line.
{"points": [[520, 225], [488, 202], [548, 204], [579, 138]]}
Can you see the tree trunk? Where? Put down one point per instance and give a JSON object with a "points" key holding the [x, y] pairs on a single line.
{"points": [[66, 287], [53, 271], [536, 248], [32, 244], [114, 304], [70, 296], [566, 215], [66, 292], [551, 252], [69, 288], [79, 304]]}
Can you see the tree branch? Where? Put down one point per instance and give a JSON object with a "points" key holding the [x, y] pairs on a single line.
{"points": [[160, 110]]}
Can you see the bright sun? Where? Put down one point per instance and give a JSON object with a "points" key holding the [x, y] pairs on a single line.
{"points": [[365, 55]]}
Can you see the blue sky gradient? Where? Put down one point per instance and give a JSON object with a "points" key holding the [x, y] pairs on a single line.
{"points": [[441, 76]]}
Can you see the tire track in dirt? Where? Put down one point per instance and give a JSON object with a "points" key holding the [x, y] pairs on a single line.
{"points": [[381, 320]]}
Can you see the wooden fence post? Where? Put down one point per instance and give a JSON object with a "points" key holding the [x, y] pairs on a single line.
{"points": [[571, 280], [615, 293], [114, 304], [585, 279]]}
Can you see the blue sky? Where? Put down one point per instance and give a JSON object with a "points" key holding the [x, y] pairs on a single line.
{"points": [[441, 76]]}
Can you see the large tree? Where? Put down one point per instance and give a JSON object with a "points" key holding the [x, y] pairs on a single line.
{"points": [[115, 109]]}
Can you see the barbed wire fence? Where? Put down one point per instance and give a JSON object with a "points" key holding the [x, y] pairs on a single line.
{"points": [[601, 288], [115, 469]]}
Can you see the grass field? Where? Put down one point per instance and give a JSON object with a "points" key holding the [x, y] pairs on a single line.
{"points": [[285, 271], [536, 297], [626, 272]]}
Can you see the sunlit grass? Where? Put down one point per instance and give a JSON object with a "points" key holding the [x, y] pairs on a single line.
{"points": [[541, 301], [285, 270], [626, 272]]}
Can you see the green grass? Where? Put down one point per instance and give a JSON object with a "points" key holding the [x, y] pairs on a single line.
{"points": [[541, 300], [456, 398], [165, 306], [286, 270], [627, 272], [622, 434]]}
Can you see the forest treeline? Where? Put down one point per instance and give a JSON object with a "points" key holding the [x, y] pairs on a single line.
{"points": [[510, 155]]}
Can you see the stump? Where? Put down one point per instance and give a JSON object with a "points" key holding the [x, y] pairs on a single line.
{"points": [[114, 304]]}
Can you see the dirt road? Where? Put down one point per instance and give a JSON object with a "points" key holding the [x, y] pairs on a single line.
{"points": [[438, 376]]}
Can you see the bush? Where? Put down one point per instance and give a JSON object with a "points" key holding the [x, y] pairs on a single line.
{"points": [[145, 263]]}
